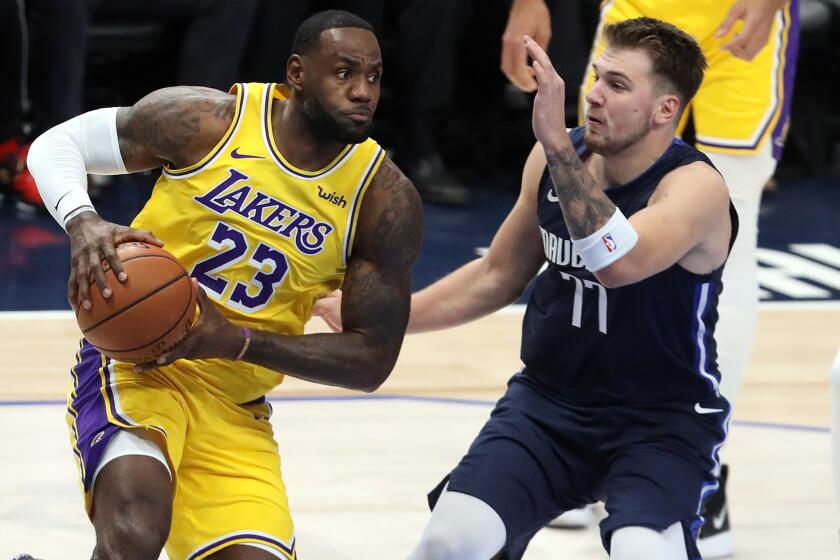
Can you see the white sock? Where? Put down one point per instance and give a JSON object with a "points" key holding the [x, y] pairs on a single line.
{"points": [[641, 543], [746, 176], [462, 527]]}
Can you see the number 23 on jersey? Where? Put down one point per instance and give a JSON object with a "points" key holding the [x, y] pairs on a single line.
{"points": [[270, 269]]}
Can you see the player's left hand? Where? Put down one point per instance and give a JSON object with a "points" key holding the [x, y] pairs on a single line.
{"points": [[526, 17], [328, 308], [757, 16], [212, 336], [549, 116]]}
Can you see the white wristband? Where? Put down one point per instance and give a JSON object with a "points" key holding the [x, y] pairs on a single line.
{"points": [[73, 213], [614, 240], [61, 158]]}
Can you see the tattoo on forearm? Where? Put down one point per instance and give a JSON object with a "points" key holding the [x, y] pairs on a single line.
{"points": [[585, 206], [378, 305], [375, 312]]}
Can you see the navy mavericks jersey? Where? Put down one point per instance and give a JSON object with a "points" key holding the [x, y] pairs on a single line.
{"points": [[651, 342]]}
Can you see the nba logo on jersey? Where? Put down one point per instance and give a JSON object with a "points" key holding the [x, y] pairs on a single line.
{"points": [[609, 242]]}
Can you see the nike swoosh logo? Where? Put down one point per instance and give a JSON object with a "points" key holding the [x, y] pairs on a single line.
{"points": [[703, 410], [552, 196], [718, 520], [236, 155]]}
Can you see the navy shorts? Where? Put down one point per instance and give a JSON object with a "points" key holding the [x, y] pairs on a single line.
{"points": [[538, 456]]}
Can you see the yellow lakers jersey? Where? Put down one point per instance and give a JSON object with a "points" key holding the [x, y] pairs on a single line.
{"points": [[262, 237]]}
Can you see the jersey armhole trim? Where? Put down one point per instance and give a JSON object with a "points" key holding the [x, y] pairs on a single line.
{"points": [[361, 189]]}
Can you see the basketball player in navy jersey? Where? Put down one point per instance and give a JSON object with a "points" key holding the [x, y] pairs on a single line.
{"points": [[741, 116], [619, 398]]}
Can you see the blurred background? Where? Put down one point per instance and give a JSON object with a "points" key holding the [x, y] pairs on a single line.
{"points": [[448, 116]]}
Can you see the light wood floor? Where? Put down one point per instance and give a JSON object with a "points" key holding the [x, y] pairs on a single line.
{"points": [[357, 470]]}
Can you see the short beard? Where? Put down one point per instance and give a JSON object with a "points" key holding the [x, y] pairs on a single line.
{"points": [[611, 148], [328, 129]]}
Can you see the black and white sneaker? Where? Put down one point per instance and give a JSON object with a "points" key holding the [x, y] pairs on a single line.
{"points": [[24, 557], [715, 540]]}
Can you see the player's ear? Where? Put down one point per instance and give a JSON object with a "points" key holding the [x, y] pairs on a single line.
{"points": [[295, 72], [668, 109]]}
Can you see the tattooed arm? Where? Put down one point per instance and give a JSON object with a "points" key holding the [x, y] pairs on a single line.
{"points": [[174, 125], [377, 295], [689, 226], [585, 206], [377, 285]]}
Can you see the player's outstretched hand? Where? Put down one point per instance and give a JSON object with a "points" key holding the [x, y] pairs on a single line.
{"points": [[549, 116], [757, 16], [212, 336], [527, 17], [328, 308], [93, 240]]}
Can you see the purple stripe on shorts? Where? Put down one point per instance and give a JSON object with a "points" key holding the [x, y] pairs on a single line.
{"points": [[791, 54], [790, 35], [93, 431], [259, 538]]}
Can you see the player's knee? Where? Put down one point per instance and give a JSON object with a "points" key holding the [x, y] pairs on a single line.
{"points": [[630, 551], [136, 533], [130, 543], [462, 527], [439, 544], [642, 543]]}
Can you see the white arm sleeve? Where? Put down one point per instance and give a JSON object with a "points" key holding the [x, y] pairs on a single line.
{"points": [[61, 158]]}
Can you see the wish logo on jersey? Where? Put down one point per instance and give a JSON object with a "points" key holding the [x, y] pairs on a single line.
{"points": [[230, 195], [560, 251], [332, 198]]}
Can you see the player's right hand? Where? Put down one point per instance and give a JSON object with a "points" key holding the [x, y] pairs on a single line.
{"points": [[549, 114], [758, 16], [527, 17], [212, 336], [92, 239], [328, 308]]}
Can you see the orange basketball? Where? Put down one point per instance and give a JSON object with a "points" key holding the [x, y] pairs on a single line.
{"points": [[148, 313]]}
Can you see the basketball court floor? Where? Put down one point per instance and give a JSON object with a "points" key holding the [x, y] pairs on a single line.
{"points": [[357, 467]]}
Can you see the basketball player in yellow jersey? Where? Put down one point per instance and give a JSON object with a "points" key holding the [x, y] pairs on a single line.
{"points": [[271, 196]]}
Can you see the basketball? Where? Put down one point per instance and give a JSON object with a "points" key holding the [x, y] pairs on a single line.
{"points": [[147, 314]]}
